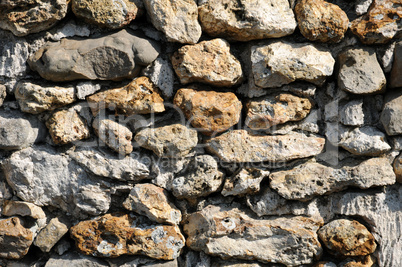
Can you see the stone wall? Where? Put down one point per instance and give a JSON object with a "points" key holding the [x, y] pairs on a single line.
{"points": [[201, 134]]}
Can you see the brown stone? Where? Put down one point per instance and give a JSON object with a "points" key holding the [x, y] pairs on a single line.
{"points": [[209, 111], [366, 261], [50, 235], [116, 136], [12, 208], [398, 168], [15, 239], [396, 72]]}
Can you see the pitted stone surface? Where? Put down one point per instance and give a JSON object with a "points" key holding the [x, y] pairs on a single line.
{"points": [[15, 239], [115, 135]]}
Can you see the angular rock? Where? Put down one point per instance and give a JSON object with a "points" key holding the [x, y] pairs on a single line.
{"points": [[207, 62], [209, 112], [178, 20], [161, 73], [321, 21], [360, 72], [362, 6], [112, 57], [15, 239], [138, 97], [153, 202], [23, 18], [347, 238], [310, 179], [74, 259], [21, 208], [362, 261], [116, 235], [173, 141], [246, 20], [86, 88], [266, 112], [398, 168], [352, 113], [281, 63], [245, 182], [396, 72], [3, 93], [231, 233], [50, 235], [115, 135], [240, 146], [391, 116]]}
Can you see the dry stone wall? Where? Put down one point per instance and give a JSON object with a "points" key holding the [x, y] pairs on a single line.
{"points": [[203, 133]]}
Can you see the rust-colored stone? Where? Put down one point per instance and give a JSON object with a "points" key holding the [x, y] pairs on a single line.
{"points": [[15, 239]]}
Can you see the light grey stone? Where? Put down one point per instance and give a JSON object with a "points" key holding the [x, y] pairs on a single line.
{"points": [[3, 93], [70, 29], [165, 169], [391, 116], [362, 6], [246, 181], [84, 89], [196, 259], [335, 132], [352, 113], [73, 259], [385, 55], [161, 73], [14, 53]]}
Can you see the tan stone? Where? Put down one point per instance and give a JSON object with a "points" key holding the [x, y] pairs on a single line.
{"points": [[15, 239], [245, 182], [50, 235], [366, 261], [398, 168], [207, 62], [209, 111], [116, 136], [12, 208], [138, 97]]}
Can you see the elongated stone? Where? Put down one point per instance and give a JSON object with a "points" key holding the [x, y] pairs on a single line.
{"points": [[396, 72], [12, 208], [246, 181]]}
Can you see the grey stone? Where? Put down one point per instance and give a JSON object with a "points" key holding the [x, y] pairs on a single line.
{"points": [[196, 259], [161, 73], [70, 29], [84, 89], [14, 53], [385, 55], [352, 113], [246, 181], [396, 72], [3, 93], [391, 116], [335, 132], [73, 259], [165, 170], [51, 234]]}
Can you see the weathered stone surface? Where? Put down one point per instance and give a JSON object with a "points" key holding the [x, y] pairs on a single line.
{"points": [[321, 21], [178, 20], [23, 18], [396, 72], [398, 168], [281, 63], [138, 97], [161, 73], [240, 146], [266, 112], [114, 15], [391, 116], [352, 113], [12, 208], [208, 62], [363, 261], [230, 232], [84, 89], [3, 93], [245, 182], [347, 237], [113, 57], [381, 23], [209, 112], [362, 6], [115, 235], [15, 239], [246, 20], [152, 201], [50, 235], [325, 264], [310, 179], [73, 259], [115, 135], [360, 72]]}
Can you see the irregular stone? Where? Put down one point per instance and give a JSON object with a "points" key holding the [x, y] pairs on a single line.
{"points": [[352, 113], [321, 21], [362, 6], [245, 182], [69, 29], [136, 261], [246, 20], [173, 141], [116, 136], [385, 55], [207, 62], [310, 179], [347, 238], [398, 168], [12, 208], [3, 93], [113, 15], [73, 259], [161, 73], [231, 233], [325, 264], [309, 124], [178, 20], [360, 72], [165, 170], [396, 72], [240, 146], [112, 57], [153, 202], [281, 63], [364, 261], [381, 23], [116, 235], [15, 239], [266, 112], [22, 18], [335, 132], [138, 97], [50, 235], [391, 116], [209, 112], [86, 88], [200, 177]]}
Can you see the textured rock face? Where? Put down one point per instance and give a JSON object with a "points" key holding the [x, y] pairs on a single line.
{"points": [[398, 168], [281, 63], [360, 72], [112, 57], [273, 110], [209, 111], [352, 113], [240, 146], [115, 235], [230, 232], [396, 72], [246, 20], [74, 259], [178, 20], [161, 73], [25, 17], [3, 94], [391, 116], [12, 208], [50, 235], [245, 182], [116, 136], [321, 21], [207, 62], [15, 239]]}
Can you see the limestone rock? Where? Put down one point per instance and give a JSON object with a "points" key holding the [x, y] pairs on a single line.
{"points": [[23, 18], [266, 112], [209, 112], [352, 113], [245, 182], [381, 23], [3, 93], [362, 6], [246, 20], [362, 261], [398, 168], [12, 208], [161, 73], [50, 235], [321, 21], [74, 259], [112, 57], [391, 116], [173, 141], [15, 239], [281, 63], [86, 88], [138, 97], [178, 19], [115, 135], [310, 179], [231, 233], [116, 235], [153, 202], [360, 72], [396, 72], [347, 237], [240, 146], [208, 62]]}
